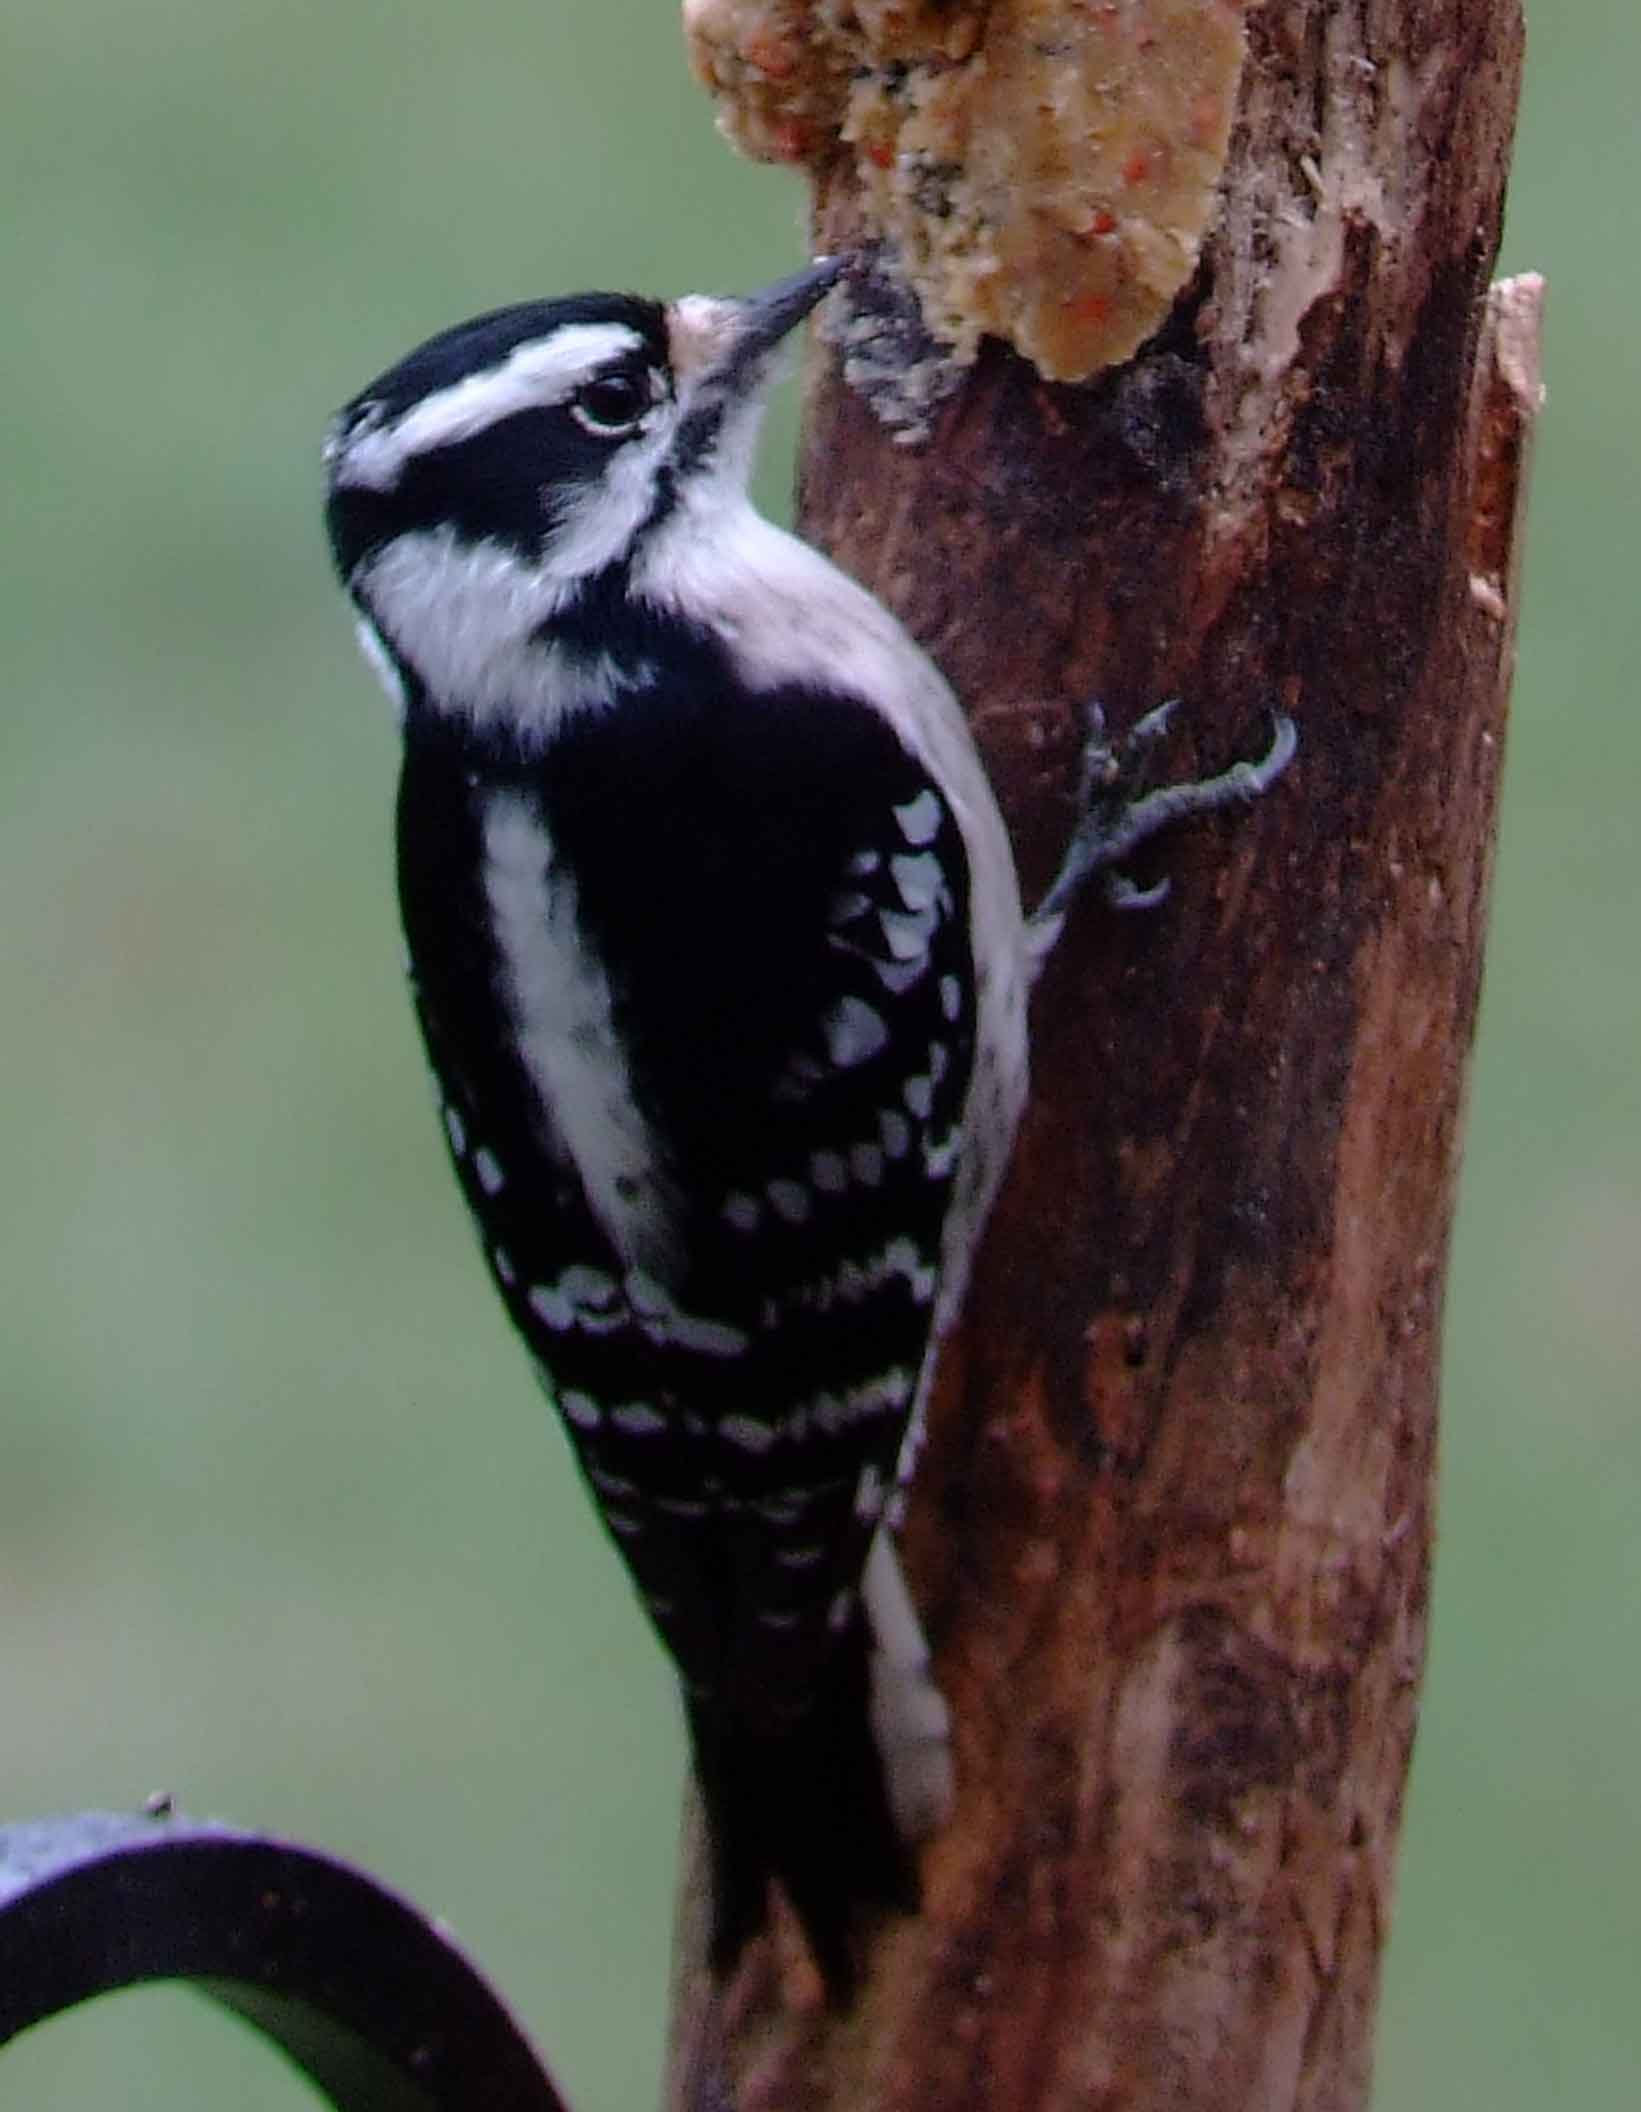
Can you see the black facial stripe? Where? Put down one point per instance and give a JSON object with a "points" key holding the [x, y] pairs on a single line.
{"points": [[494, 486], [601, 613], [488, 486], [696, 437]]}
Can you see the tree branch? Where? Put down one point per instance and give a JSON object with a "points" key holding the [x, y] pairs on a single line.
{"points": [[1172, 1529]]}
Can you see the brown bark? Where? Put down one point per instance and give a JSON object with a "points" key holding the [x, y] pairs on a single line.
{"points": [[1172, 1531]]}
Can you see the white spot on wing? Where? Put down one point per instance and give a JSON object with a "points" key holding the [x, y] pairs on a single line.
{"points": [[940, 1153], [854, 1033], [901, 1258], [919, 819], [908, 932], [919, 879], [668, 1327], [887, 1394], [712, 1338], [581, 1409], [746, 1434], [551, 1307], [455, 1129], [897, 977], [592, 1321], [638, 1419], [584, 1285], [488, 1169]]}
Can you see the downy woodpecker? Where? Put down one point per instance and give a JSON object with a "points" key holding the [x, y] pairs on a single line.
{"points": [[717, 949]]}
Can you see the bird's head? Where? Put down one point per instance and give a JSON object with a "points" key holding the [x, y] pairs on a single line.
{"points": [[559, 432]]}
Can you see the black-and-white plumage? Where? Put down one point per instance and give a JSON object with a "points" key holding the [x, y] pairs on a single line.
{"points": [[719, 957], [718, 953]]}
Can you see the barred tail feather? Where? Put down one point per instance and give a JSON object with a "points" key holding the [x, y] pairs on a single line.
{"points": [[910, 1719]]}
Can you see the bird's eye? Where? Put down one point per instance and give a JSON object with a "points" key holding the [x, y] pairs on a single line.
{"points": [[612, 404]]}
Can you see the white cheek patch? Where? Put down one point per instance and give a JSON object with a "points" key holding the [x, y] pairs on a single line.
{"points": [[464, 616], [468, 618], [533, 376]]}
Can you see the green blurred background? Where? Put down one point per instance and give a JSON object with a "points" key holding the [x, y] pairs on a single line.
{"points": [[283, 1525]]}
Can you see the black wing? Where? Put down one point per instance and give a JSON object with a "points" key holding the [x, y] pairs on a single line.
{"points": [[779, 894]]}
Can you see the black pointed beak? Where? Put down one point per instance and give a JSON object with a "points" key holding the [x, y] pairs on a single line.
{"points": [[769, 316], [760, 322], [730, 344]]}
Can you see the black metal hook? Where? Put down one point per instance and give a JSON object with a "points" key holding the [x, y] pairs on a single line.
{"points": [[370, 1999]]}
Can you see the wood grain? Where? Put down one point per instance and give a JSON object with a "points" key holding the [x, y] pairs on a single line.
{"points": [[1173, 1528]]}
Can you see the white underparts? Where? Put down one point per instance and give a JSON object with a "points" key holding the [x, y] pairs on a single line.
{"points": [[560, 1004]]}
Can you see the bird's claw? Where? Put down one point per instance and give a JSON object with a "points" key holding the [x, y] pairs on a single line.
{"points": [[1123, 893], [1118, 810]]}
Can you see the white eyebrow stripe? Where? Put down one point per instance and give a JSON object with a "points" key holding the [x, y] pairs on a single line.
{"points": [[534, 375]]}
